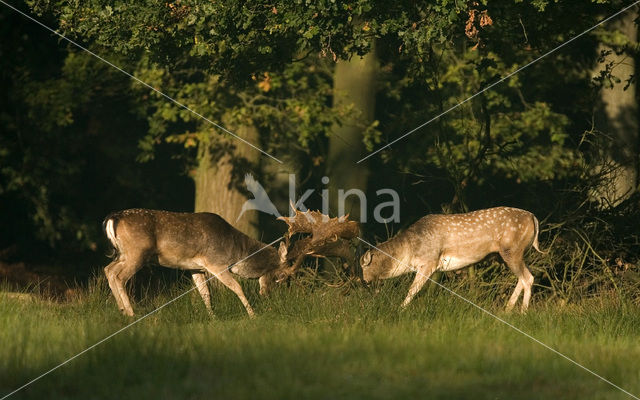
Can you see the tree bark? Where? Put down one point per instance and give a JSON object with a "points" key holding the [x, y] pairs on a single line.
{"points": [[354, 83], [219, 179], [617, 117]]}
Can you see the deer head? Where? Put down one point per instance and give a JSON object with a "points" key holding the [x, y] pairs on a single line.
{"points": [[327, 237]]}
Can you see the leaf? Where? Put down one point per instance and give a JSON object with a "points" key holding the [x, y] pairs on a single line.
{"points": [[265, 83]]}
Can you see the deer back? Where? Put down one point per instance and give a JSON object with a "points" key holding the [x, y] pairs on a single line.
{"points": [[454, 240], [182, 240]]}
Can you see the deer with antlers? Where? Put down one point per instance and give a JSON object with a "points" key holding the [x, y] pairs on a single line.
{"points": [[198, 242], [205, 243]]}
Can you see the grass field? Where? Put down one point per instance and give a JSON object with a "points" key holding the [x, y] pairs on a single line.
{"points": [[317, 342]]}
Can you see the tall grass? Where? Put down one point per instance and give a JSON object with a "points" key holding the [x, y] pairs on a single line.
{"points": [[316, 341]]}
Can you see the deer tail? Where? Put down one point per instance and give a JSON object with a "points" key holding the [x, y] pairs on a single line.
{"points": [[536, 245], [109, 226]]}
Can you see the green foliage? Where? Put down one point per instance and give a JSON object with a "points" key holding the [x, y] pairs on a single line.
{"points": [[210, 57], [528, 129], [65, 151], [271, 64], [37, 112], [497, 135]]}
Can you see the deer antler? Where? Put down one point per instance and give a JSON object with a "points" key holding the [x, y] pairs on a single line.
{"points": [[320, 226], [328, 236]]}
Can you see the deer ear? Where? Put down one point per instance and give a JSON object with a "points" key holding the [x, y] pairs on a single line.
{"points": [[366, 258], [282, 252]]}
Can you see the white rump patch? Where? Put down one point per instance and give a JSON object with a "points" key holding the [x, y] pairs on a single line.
{"points": [[111, 233]]}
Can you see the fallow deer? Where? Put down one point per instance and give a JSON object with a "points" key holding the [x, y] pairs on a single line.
{"points": [[451, 242], [198, 242]]}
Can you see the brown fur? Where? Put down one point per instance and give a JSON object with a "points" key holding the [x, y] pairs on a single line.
{"points": [[198, 242]]}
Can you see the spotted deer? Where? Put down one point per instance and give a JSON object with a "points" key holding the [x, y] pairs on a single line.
{"points": [[450, 242], [198, 242]]}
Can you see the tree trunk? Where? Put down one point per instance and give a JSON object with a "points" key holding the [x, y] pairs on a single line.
{"points": [[354, 83], [219, 179], [617, 117]]}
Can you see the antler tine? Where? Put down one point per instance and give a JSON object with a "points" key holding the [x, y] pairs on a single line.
{"points": [[328, 236], [298, 224]]}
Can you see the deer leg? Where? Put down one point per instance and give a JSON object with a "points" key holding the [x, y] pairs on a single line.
{"points": [[118, 274], [422, 276], [111, 278], [227, 279], [515, 262], [528, 283], [200, 279], [514, 297], [266, 282]]}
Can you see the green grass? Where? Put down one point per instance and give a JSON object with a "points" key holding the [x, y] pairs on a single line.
{"points": [[317, 342]]}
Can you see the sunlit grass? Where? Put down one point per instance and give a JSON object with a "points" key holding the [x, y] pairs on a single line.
{"points": [[317, 342]]}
